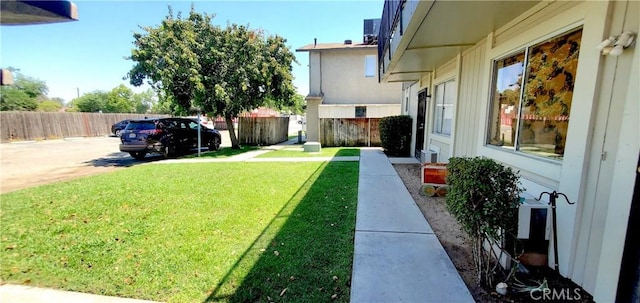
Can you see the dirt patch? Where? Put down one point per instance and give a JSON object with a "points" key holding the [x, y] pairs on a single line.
{"points": [[449, 232], [458, 245], [10, 184]]}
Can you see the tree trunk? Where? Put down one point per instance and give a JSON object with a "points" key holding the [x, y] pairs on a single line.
{"points": [[232, 132]]}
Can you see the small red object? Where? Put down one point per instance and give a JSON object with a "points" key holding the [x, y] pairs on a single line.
{"points": [[434, 173]]}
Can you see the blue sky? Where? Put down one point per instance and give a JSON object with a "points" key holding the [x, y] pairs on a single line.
{"points": [[89, 54]]}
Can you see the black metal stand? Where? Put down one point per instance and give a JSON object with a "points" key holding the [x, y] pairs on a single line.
{"points": [[552, 201]]}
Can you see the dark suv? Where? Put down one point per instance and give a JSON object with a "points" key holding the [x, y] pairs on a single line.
{"points": [[166, 136], [117, 127]]}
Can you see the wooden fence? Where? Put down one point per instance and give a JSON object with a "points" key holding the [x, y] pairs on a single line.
{"points": [[263, 130], [350, 132], [20, 126]]}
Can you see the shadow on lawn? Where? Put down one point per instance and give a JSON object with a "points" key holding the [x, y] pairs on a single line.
{"points": [[305, 253], [120, 159], [348, 152], [222, 152]]}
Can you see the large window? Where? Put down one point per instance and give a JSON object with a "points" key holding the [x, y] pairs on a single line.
{"points": [[445, 96], [533, 90], [370, 62]]}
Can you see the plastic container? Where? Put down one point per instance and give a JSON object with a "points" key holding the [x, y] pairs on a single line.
{"points": [[434, 173]]}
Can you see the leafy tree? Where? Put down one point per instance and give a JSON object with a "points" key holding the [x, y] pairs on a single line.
{"points": [[48, 106], [16, 99], [143, 102], [162, 106], [58, 100], [297, 105], [33, 87], [24, 94], [119, 100], [91, 102], [220, 71]]}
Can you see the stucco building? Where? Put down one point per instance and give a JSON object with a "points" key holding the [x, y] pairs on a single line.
{"points": [[345, 100]]}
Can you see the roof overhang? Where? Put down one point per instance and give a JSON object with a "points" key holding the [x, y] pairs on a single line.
{"points": [[13, 12], [440, 30], [336, 46]]}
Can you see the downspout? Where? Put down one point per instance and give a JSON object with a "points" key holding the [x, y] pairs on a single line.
{"points": [[320, 65]]}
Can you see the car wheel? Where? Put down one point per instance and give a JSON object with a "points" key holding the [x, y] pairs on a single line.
{"points": [[138, 155], [168, 151], [118, 131], [214, 143]]}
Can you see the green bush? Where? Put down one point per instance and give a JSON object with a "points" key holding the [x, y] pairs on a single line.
{"points": [[395, 135], [483, 196]]}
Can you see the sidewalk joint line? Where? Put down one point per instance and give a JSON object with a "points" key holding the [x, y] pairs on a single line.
{"points": [[395, 232]]}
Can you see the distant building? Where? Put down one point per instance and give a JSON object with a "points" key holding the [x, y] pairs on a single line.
{"points": [[345, 101]]}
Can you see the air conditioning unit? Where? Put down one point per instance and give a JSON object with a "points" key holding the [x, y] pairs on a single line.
{"points": [[428, 156], [534, 219], [371, 29]]}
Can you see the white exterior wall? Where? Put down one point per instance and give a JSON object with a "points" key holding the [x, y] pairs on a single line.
{"points": [[337, 84], [437, 142], [471, 91], [570, 175], [614, 180], [343, 80], [313, 123], [626, 157], [314, 74], [591, 233], [410, 108], [603, 142]]}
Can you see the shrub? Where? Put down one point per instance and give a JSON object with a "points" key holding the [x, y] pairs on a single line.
{"points": [[483, 196], [395, 135]]}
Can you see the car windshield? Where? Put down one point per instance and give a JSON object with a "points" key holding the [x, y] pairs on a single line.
{"points": [[141, 125]]}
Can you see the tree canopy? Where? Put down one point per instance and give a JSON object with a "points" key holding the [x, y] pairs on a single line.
{"points": [[220, 71], [121, 99], [49, 106], [30, 94], [24, 94]]}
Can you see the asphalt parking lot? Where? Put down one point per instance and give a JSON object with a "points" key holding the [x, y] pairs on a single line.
{"points": [[32, 163]]}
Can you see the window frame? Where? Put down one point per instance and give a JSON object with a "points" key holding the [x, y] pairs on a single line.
{"points": [[524, 49], [435, 111], [544, 171], [370, 68]]}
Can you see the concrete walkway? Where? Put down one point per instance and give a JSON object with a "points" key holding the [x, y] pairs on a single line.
{"points": [[27, 294], [397, 256]]}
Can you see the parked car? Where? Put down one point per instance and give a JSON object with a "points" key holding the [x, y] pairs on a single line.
{"points": [[117, 127], [166, 136]]}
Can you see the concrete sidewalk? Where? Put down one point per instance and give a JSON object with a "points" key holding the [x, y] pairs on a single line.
{"points": [[397, 256]]}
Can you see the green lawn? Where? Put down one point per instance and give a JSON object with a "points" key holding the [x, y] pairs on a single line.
{"points": [[224, 152], [215, 232], [296, 151]]}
